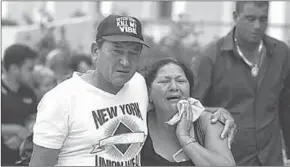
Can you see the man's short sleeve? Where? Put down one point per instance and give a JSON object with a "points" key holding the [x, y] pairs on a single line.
{"points": [[51, 127]]}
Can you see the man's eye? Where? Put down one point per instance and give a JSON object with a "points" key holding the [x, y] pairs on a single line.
{"points": [[133, 53], [251, 18], [264, 19], [117, 52]]}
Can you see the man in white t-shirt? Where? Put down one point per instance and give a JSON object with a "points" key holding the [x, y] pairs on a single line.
{"points": [[98, 118]]}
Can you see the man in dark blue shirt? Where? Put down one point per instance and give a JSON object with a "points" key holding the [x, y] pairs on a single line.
{"points": [[17, 98]]}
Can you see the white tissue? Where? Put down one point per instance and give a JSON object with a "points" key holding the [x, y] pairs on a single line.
{"points": [[197, 109]]}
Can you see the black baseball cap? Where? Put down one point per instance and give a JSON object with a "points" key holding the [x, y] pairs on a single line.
{"points": [[116, 28]]}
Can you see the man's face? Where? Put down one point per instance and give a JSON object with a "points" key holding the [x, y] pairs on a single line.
{"points": [[118, 61], [251, 22], [25, 71]]}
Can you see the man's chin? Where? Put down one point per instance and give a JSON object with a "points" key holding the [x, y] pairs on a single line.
{"points": [[120, 82], [255, 39]]}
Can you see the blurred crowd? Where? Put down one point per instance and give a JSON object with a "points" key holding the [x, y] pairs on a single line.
{"points": [[27, 74]]}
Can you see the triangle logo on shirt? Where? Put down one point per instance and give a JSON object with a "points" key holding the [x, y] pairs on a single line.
{"points": [[121, 130]]}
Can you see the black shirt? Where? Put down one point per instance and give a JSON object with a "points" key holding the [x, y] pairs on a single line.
{"points": [[150, 158], [17, 106]]}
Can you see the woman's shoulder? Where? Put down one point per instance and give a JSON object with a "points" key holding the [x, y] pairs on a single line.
{"points": [[205, 117], [205, 121]]}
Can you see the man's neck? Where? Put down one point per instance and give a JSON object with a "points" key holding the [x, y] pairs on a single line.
{"points": [[245, 45], [101, 83], [11, 83]]}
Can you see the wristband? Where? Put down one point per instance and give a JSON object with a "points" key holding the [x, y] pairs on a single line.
{"points": [[190, 140]]}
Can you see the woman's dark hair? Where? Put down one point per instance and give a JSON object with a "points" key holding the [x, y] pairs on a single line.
{"points": [[154, 68]]}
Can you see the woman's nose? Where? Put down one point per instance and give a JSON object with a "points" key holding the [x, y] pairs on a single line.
{"points": [[173, 86]]}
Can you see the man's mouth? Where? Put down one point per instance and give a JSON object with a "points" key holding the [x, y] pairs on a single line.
{"points": [[256, 34], [123, 71]]}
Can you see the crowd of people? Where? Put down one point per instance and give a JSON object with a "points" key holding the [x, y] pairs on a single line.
{"points": [[112, 107], [27, 74]]}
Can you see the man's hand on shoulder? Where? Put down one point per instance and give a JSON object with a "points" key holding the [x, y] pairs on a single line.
{"points": [[222, 115]]}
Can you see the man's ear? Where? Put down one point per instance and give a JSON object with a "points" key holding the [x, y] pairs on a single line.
{"points": [[235, 16], [94, 51]]}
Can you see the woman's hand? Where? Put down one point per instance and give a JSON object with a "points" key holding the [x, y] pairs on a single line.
{"points": [[184, 126]]}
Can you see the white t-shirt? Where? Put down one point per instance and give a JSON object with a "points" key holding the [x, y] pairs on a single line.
{"points": [[92, 127]]}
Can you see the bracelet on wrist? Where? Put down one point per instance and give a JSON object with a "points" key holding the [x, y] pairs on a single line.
{"points": [[190, 140]]}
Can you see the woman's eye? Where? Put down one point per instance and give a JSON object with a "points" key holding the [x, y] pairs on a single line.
{"points": [[182, 81], [162, 81]]}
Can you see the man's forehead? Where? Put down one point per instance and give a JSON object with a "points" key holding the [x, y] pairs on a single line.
{"points": [[252, 8], [126, 44]]}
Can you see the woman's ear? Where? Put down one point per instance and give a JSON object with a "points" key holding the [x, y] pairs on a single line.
{"points": [[150, 102]]}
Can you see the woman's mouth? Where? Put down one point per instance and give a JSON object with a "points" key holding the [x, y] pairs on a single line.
{"points": [[174, 98]]}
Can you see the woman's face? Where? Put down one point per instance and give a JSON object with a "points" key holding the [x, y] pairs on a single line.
{"points": [[169, 86]]}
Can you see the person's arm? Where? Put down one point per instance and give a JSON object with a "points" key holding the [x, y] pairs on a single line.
{"points": [[215, 152], [284, 109], [202, 67], [42, 156], [14, 130], [224, 116], [50, 129]]}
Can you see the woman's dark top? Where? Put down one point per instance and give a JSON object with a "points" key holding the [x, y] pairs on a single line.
{"points": [[150, 158]]}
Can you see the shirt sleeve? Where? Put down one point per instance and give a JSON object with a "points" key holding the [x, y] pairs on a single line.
{"points": [[51, 127], [201, 67], [285, 107]]}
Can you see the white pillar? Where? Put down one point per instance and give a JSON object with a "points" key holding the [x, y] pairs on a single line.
{"points": [[50, 6], [277, 13], [178, 7], [227, 16], [146, 9], [4, 9], [86, 7], [106, 7]]}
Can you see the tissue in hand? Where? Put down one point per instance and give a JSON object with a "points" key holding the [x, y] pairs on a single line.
{"points": [[197, 109]]}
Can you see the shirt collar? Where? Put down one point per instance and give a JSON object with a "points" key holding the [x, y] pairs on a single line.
{"points": [[228, 43]]}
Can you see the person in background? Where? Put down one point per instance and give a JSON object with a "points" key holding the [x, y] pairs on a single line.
{"points": [[44, 80], [81, 63], [245, 72], [58, 62], [18, 101]]}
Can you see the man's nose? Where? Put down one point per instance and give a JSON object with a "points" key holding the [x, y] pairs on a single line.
{"points": [[257, 25], [125, 60]]}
